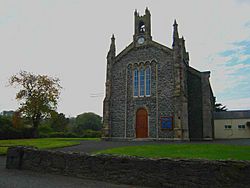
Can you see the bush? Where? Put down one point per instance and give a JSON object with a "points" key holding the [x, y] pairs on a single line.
{"points": [[91, 134], [8, 132], [84, 134], [62, 135], [45, 129], [58, 135], [43, 135], [87, 121]]}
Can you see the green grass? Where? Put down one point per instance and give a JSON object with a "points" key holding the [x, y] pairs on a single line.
{"points": [[184, 151], [42, 143]]}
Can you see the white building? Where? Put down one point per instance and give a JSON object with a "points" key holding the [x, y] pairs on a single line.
{"points": [[232, 124]]}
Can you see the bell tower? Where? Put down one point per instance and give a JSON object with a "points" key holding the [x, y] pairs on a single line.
{"points": [[142, 28]]}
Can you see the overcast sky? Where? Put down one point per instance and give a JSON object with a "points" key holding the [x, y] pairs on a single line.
{"points": [[70, 39]]}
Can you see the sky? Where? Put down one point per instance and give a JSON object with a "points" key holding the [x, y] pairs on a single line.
{"points": [[69, 39]]}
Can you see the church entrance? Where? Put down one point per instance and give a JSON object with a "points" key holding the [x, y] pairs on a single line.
{"points": [[141, 123]]}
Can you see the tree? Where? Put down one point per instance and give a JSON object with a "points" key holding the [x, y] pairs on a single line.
{"points": [[59, 122], [219, 107], [38, 96], [88, 121], [5, 121], [17, 120]]}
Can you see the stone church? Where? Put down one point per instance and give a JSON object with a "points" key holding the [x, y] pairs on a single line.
{"points": [[153, 93]]}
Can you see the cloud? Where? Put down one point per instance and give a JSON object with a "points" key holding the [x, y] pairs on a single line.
{"points": [[70, 39], [238, 104], [243, 1], [247, 24], [231, 72]]}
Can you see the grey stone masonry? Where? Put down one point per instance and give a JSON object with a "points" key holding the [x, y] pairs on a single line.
{"points": [[133, 170], [173, 93]]}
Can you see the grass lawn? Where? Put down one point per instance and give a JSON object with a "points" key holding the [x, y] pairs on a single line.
{"points": [[41, 143], [190, 151]]}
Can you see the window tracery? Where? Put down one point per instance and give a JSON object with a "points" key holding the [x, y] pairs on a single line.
{"points": [[142, 80]]}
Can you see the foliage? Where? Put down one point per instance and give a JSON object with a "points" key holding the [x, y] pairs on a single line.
{"points": [[17, 120], [41, 143], [62, 135], [84, 134], [87, 121], [193, 151], [9, 132], [45, 128], [5, 121], [91, 134], [59, 122], [219, 107], [72, 124], [54, 126], [38, 95]]}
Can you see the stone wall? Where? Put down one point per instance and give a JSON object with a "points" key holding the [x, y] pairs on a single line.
{"points": [[207, 106], [195, 115], [132, 170]]}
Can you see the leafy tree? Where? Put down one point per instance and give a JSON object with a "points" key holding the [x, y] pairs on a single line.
{"points": [[59, 122], [219, 107], [88, 120], [72, 124], [44, 128], [38, 96], [17, 120], [5, 121]]}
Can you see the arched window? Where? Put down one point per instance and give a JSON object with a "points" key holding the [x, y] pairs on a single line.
{"points": [[148, 81], [142, 81], [136, 82]]}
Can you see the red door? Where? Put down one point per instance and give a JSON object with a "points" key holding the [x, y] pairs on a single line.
{"points": [[141, 123]]}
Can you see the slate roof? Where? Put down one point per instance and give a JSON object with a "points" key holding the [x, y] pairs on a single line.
{"points": [[240, 114]]}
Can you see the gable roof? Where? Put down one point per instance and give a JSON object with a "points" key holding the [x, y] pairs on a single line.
{"points": [[239, 114], [132, 46]]}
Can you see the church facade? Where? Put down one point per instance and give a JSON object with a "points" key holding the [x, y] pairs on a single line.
{"points": [[153, 93]]}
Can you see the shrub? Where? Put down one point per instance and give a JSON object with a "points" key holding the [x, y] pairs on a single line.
{"points": [[8, 132], [43, 135], [45, 129], [87, 121], [84, 134], [91, 134], [62, 135]]}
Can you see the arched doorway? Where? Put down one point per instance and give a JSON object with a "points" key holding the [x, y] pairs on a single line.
{"points": [[141, 123]]}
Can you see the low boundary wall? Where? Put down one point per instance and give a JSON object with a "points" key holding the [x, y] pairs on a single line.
{"points": [[132, 170]]}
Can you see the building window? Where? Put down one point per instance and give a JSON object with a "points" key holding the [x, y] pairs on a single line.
{"points": [[142, 81], [228, 126], [148, 81], [136, 82], [241, 126]]}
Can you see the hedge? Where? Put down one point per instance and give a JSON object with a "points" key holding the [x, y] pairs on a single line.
{"points": [[8, 132]]}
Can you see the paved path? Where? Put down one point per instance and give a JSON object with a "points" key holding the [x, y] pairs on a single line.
{"points": [[91, 146]]}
